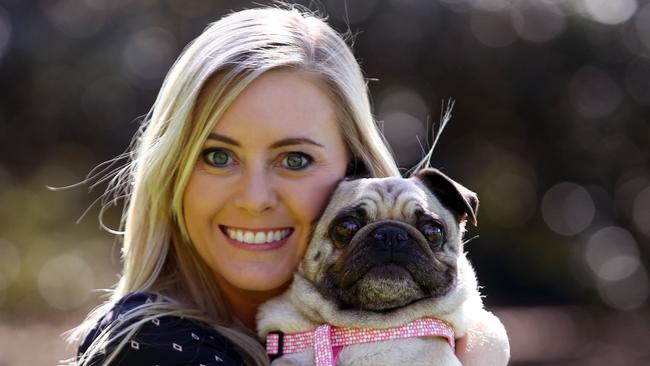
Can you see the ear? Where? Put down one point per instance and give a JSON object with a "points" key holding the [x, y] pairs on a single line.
{"points": [[458, 199]]}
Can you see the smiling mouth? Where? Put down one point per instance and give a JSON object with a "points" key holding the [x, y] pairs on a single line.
{"points": [[255, 236]]}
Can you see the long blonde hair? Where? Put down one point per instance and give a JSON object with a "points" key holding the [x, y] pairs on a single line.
{"points": [[231, 53]]}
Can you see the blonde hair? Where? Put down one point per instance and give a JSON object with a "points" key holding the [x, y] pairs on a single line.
{"points": [[230, 54]]}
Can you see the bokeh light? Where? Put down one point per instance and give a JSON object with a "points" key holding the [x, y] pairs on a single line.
{"points": [[627, 191], [594, 93], [610, 12], [74, 18], [612, 254], [618, 267], [492, 29], [66, 281], [634, 34], [403, 113], [568, 208], [609, 251], [149, 52], [642, 25], [641, 211], [492, 5], [401, 129], [630, 292], [538, 21]]}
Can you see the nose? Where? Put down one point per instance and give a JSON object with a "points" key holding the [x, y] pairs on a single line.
{"points": [[390, 237], [257, 194]]}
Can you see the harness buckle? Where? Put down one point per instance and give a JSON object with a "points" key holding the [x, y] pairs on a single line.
{"points": [[280, 345]]}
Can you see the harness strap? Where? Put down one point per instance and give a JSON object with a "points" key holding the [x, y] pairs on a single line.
{"points": [[327, 340]]}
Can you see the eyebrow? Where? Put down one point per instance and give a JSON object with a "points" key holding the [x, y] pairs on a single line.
{"points": [[222, 138], [289, 141]]}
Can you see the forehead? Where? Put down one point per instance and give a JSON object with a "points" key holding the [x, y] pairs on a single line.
{"points": [[280, 103], [386, 198]]}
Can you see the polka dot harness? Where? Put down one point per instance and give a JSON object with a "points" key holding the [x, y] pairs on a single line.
{"points": [[327, 340]]}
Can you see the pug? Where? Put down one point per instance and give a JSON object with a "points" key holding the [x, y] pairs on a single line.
{"points": [[385, 252]]}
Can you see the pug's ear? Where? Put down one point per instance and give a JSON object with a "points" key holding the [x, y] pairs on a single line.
{"points": [[457, 198]]}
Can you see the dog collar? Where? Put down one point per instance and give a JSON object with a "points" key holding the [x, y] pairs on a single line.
{"points": [[327, 340]]}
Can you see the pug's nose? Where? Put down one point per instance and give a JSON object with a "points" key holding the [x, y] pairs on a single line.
{"points": [[390, 237]]}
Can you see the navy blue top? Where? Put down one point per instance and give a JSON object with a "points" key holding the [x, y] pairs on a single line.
{"points": [[165, 341]]}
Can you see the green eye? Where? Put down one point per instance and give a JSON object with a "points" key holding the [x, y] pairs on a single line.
{"points": [[297, 161], [217, 158]]}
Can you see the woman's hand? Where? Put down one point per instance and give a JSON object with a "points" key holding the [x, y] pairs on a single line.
{"points": [[485, 343]]}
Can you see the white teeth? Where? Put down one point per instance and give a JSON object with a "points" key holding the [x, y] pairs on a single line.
{"points": [[259, 237]]}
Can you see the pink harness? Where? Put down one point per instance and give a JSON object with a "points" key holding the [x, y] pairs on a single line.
{"points": [[327, 340]]}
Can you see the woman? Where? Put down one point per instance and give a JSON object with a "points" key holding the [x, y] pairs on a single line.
{"points": [[254, 125]]}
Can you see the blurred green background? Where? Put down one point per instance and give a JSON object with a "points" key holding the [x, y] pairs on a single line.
{"points": [[551, 127]]}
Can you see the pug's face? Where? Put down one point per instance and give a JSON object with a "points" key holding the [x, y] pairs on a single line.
{"points": [[383, 243]]}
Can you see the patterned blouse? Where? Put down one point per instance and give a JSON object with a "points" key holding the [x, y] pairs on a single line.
{"points": [[165, 341]]}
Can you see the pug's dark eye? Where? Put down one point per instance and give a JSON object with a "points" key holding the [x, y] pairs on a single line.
{"points": [[343, 231], [433, 232]]}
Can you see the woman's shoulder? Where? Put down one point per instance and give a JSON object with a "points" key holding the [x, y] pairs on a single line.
{"points": [[163, 340]]}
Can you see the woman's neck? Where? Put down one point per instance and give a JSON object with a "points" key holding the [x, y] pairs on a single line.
{"points": [[243, 304]]}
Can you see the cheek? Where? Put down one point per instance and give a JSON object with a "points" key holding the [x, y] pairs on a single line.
{"points": [[193, 207], [310, 199], [200, 202]]}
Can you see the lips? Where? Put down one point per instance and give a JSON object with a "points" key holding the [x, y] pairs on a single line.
{"points": [[256, 237]]}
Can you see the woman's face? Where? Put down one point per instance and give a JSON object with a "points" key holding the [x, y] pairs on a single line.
{"points": [[262, 180]]}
